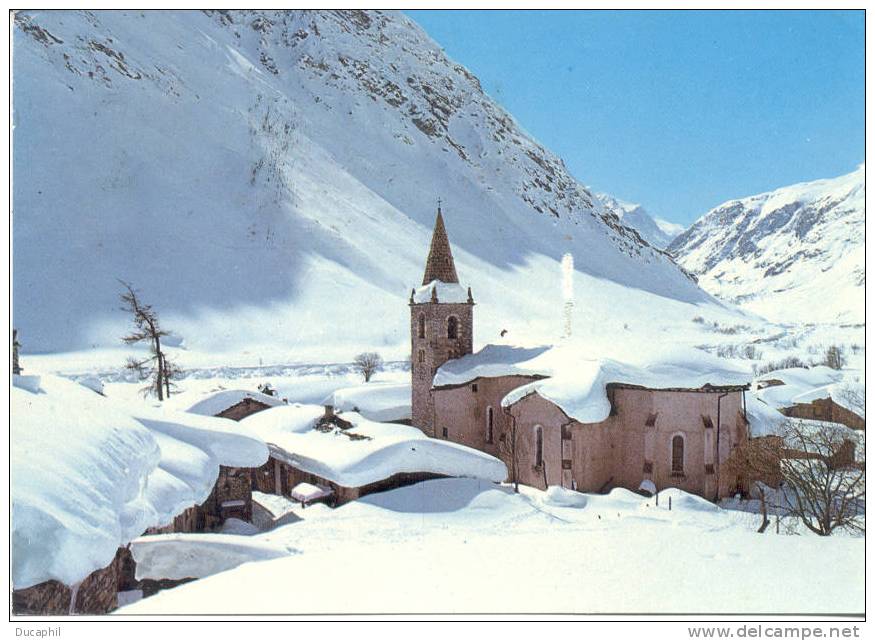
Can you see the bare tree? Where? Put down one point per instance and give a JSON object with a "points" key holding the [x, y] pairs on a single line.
{"points": [[824, 478], [507, 447], [759, 460], [819, 477], [156, 368], [367, 364]]}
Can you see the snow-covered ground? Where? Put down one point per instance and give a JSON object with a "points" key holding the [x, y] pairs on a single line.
{"points": [[468, 546]]}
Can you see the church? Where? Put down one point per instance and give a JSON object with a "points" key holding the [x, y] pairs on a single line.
{"points": [[559, 417]]}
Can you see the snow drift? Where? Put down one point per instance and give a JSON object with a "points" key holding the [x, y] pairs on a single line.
{"points": [[88, 475]]}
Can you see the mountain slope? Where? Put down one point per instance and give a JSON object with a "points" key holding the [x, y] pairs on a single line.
{"points": [[654, 230], [270, 178], [793, 254]]}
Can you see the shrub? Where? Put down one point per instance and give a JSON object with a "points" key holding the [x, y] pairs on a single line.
{"points": [[835, 357], [752, 353], [784, 363]]}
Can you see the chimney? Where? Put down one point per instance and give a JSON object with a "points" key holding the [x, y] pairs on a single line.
{"points": [[329, 412]]}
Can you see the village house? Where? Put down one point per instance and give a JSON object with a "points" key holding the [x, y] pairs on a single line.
{"points": [[232, 495], [825, 409], [816, 393], [319, 455], [533, 407]]}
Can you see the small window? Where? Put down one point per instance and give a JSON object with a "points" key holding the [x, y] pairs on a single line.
{"points": [[452, 327], [445, 433], [421, 356], [539, 446], [489, 425], [648, 467], [709, 468], [651, 420], [677, 454], [474, 388], [707, 422], [421, 323]]}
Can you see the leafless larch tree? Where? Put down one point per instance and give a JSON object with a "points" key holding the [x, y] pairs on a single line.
{"points": [[157, 368]]}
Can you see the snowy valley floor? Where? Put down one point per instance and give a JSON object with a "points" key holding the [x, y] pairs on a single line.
{"points": [[467, 546]]}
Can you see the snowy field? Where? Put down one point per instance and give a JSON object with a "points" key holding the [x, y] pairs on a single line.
{"points": [[467, 546], [745, 343]]}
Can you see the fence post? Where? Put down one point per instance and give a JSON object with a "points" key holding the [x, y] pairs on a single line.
{"points": [[669, 504]]}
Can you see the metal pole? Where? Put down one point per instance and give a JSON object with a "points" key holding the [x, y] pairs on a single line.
{"points": [[717, 458]]}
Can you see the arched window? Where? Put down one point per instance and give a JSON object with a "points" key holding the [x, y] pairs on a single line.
{"points": [[677, 454], [489, 424], [421, 323], [452, 327], [539, 446], [421, 355]]}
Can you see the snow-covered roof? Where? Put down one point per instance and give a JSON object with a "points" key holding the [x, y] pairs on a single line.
{"points": [[374, 401], [89, 474], [491, 361], [446, 293], [306, 492], [764, 419], [220, 401], [277, 504], [183, 555], [801, 385], [578, 382], [366, 453]]}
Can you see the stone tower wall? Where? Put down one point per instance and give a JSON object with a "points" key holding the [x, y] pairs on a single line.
{"points": [[435, 349]]}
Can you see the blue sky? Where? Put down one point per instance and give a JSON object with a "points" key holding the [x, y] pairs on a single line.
{"points": [[677, 110]]}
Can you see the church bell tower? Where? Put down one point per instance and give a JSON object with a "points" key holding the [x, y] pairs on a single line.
{"points": [[441, 325]]}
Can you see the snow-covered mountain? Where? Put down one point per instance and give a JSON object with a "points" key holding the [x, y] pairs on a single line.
{"points": [[654, 230], [793, 254], [270, 179]]}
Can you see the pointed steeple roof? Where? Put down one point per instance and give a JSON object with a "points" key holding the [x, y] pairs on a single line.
{"points": [[440, 265]]}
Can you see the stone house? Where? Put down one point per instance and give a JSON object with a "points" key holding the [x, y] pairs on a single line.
{"points": [[281, 477], [348, 456], [232, 494], [676, 433], [825, 409]]}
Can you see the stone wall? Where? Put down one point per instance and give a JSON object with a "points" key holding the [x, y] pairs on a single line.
{"points": [[825, 409], [96, 594], [432, 350], [463, 411], [634, 443]]}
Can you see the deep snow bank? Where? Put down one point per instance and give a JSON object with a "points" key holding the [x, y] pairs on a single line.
{"points": [[89, 474]]}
